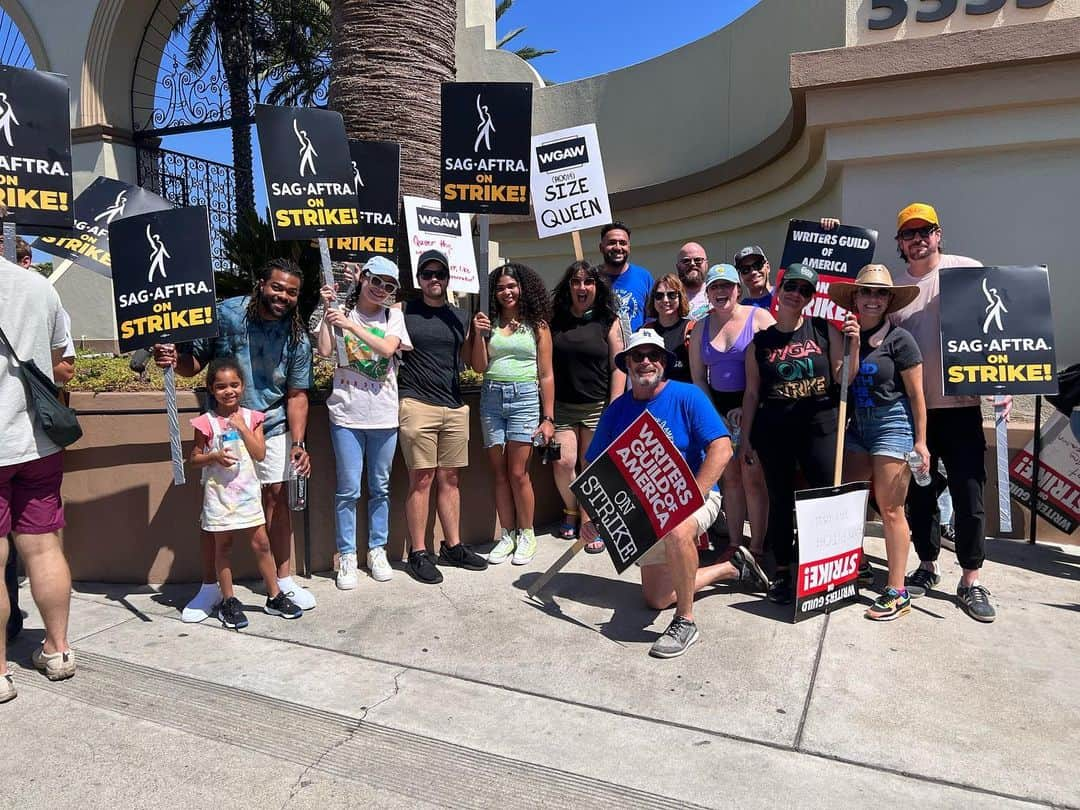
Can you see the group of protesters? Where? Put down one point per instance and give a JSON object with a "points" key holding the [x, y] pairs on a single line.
{"points": [[707, 350]]}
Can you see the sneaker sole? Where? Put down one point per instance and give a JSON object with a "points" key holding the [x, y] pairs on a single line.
{"points": [[7, 696], [665, 655], [888, 617], [759, 572], [235, 625], [349, 586], [423, 581], [497, 560], [467, 566], [982, 619], [271, 612], [522, 560], [56, 676], [381, 577]]}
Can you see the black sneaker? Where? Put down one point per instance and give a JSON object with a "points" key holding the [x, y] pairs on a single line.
{"points": [[975, 602], [461, 556], [281, 605], [918, 582], [866, 574], [422, 568], [780, 591], [676, 640], [231, 614], [948, 536], [750, 573]]}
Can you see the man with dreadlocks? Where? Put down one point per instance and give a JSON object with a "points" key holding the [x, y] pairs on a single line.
{"points": [[265, 334]]}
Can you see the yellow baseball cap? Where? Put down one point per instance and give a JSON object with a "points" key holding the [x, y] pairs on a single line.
{"points": [[917, 211]]}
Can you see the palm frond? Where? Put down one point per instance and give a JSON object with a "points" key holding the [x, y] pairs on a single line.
{"points": [[502, 42], [529, 53], [502, 8]]}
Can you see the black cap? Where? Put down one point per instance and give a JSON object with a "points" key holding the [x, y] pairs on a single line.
{"points": [[432, 256]]}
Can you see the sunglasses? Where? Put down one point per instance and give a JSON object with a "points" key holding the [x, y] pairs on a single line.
{"points": [[697, 261], [379, 283], [639, 356], [428, 275], [907, 234], [801, 287], [671, 295], [753, 267], [873, 292]]}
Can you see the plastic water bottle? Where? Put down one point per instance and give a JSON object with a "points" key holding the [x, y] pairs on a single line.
{"points": [[297, 490], [914, 461], [231, 442]]}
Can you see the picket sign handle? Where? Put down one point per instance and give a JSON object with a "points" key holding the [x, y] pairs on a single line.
{"points": [[328, 280], [579, 254], [845, 369], [9, 240], [483, 224], [555, 568], [175, 450], [1001, 428]]}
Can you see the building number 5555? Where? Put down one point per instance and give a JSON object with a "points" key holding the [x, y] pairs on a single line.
{"points": [[898, 10]]}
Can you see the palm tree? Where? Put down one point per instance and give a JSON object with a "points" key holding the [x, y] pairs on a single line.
{"points": [[390, 59], [526, 52]]}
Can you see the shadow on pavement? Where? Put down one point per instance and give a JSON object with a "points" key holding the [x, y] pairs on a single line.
{"points": [[1047, 559]]}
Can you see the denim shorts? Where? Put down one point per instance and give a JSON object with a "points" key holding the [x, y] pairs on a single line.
{"points": [[509, 411], [884, 430]]}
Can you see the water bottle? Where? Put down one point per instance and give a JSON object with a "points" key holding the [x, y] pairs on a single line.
{"points": [[914, 461], [232, 443], [297, 490], [736, 434]]}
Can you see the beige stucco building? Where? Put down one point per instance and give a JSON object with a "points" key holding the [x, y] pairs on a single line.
{"points": [[793, 110]]}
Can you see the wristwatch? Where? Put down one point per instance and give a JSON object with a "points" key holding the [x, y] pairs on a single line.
{"points": [[300, 444], [547, 419]]}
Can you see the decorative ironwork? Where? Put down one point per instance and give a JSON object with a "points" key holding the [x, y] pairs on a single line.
{"points": [[13, 48], [189, 180]]}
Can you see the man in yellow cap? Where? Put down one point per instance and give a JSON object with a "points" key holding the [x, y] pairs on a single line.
{"points": [[954, 423]]}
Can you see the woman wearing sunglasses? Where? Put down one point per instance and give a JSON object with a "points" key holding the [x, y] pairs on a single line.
{"points": [[585, 337], [517, 400], [718, 364], [789, 410], [888, 417], [667, 313], [363, 410]]}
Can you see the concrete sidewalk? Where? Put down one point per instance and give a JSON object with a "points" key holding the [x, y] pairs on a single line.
{"points": [[468, 694]]}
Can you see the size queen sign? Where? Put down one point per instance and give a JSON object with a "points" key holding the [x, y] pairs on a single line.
{"points": [[928, 11]]}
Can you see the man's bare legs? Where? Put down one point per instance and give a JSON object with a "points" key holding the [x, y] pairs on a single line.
{"points": [[447, 504], [279, 526], [50, 585], [417, 503]]}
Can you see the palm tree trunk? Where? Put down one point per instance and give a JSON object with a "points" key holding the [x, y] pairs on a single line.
{"points": [[389, 60], [234, 21]]}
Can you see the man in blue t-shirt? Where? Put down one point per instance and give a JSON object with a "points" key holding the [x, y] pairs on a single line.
{"points": [[265, 334], [630, 282], [754, 270], [694, 427]]}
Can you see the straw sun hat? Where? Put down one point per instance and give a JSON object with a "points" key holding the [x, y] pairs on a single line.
{"points": [[873, 275]]}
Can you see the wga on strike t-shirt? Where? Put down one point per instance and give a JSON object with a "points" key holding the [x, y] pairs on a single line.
{"points": [[365, 392], [879, 381], [794, 368]]}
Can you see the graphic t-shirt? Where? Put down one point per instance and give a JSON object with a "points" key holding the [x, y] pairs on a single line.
{"points": [[879, 381], [271, 362], [699, 306], [632, 287], [365, 392], [683, 411], [675, 342], [430, 372], [794, 368], [922, 318]]}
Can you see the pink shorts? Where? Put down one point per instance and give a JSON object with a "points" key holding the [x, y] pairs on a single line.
{"points": [[30, 496]]}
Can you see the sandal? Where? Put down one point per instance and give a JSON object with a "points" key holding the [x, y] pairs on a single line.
{"points": [[569, 528], [595, 547]]}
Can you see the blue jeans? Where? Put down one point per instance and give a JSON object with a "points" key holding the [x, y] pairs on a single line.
{"points": [[352, 446], [509, 411]]}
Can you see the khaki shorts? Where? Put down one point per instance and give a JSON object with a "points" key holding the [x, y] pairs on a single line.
{"points": [[705, 516], [274, 468], [569, 415], [432, 435]]}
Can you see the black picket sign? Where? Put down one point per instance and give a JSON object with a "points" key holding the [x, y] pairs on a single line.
{"points": [[35, 149], [101, 203], [486, 132], [376, 167], [163, 278], [310, 183]]}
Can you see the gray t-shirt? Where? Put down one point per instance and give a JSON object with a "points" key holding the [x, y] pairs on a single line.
{"points": [[33, 321]]}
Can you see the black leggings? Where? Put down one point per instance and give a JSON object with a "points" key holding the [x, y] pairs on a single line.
{"points": [[782, 442]]}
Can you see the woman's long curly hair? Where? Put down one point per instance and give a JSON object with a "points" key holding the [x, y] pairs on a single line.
{"points": [[534, 306], [296, 325], [605, 307]]}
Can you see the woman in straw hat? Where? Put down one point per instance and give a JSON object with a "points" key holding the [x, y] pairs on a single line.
{"points": [[888, 416]]}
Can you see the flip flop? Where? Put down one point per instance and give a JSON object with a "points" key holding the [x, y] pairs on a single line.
{"points": [[569, 528], [595, 547]]}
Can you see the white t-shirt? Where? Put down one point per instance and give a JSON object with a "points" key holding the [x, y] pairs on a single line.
{"points": [[365, 392], [922, 317], [32, 320]]}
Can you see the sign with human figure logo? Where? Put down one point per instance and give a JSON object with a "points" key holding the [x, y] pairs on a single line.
{"points": [[35, 149], [163, 277], [830, 522], [310, 181], [375, 167], [569, 191], [431, 228], [486, 127], [997, 332], [101, 203]]}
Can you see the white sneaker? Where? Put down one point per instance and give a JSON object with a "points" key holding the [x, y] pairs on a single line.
{"points": [[503, 549], [203, 604], [301, 597], [526, 547], [378, 565], [346, 573]]}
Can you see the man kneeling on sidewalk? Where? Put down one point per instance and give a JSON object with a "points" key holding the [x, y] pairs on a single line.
{"points": [[696, 430]]}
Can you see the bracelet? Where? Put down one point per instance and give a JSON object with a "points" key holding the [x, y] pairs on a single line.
{"points": [[547, 419], [300, 444]]}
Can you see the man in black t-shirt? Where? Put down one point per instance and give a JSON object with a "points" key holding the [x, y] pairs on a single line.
{"points": [[434, 421]]}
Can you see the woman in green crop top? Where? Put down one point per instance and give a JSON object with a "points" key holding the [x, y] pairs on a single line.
{"points": [[517, 400]]}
